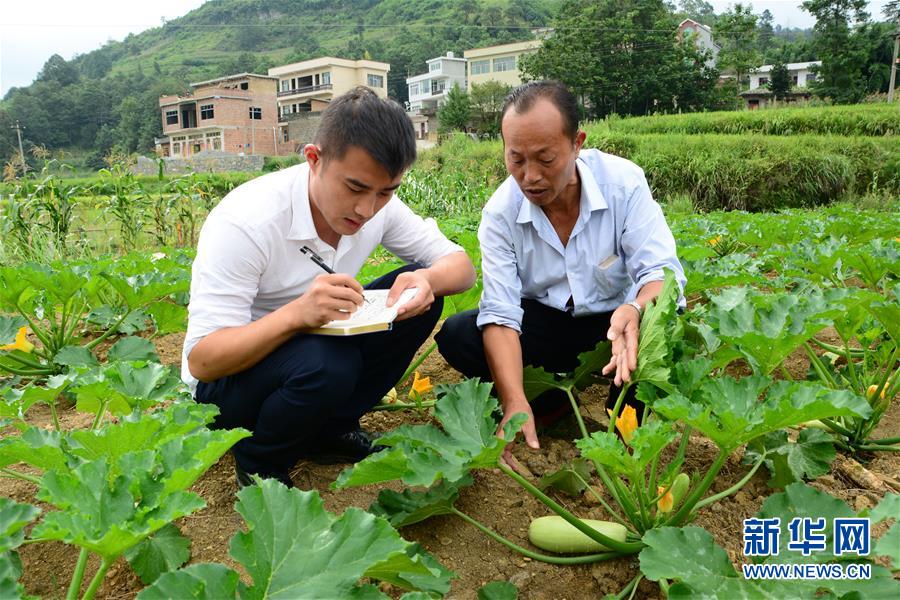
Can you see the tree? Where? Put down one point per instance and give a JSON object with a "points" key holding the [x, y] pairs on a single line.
{"points": [[58, 70], [736, 32], [698, 10], [779, 81], [486, 102], [454, 114], [765, 32], [621, 56], [841, 75]]}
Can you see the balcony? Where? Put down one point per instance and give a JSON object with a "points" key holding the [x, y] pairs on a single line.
{"points": [[305, 90]]}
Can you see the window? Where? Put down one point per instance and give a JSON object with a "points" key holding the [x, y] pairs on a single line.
{"points": [[414, 89], [255, 113], [375, 81], [794, 79], [285, 85], [171, 117], [479, 67], [245, 85], [206, 111], [763, 80], [437, 87], [326, 78], [507, 63], [435, 66], [810, 77]]}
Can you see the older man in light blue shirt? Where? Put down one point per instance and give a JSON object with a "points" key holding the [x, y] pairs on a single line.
{"points": [[573, 247]]}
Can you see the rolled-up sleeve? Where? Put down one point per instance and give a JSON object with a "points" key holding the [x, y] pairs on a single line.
{"points": [[224, 280], [500, 299], [412, 238], [648, 243]]}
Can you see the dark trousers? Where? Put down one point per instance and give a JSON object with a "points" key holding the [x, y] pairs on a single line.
{"points": [[314, 387], [551, 339]]}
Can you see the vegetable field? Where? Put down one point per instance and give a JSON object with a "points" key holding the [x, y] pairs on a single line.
{"points": [[773, 396]]}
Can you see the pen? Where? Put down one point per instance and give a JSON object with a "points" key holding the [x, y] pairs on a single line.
{"points": [[316, 259]]}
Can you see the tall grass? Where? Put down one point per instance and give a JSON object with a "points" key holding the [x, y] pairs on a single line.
{"points": [[860, 119]]}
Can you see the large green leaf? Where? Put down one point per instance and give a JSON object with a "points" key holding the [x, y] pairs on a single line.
{"points": [[498, 590], [75, 356], [165, 551], [569, 479], [647, 442], [408, 507], [14, 517], [132, 348], [294, 548], [103, 513], [422, 454], [660, 329], [788, 461], [137, 291], [9, 328], [168, 317], [37, 447], [767, 327], [201, 582], [124, 386], [728, 411], [888, 508]]}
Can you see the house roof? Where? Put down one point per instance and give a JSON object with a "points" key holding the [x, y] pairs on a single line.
{"points": [[800, 66], [693, 22], [231, 78]]}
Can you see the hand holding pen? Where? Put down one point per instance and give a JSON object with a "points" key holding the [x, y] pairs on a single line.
{"points": [[331, 296]]}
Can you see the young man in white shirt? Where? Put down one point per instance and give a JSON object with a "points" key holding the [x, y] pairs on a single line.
{"points": [[254, 294], [573, 247]]}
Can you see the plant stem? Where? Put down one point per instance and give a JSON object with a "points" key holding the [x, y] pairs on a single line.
{"points": [[820, 369], [99, 418], [878, 448], [34, 329], [17, 475], [577, 412], [838, 428], [885, 441], [54, 415], [415, 364], [630, 589], [24, 361], [734, 488], [93, 344], [78, 575], [836, 349], [624, 547], [556, 560], [785, 373], [679, 517], [600, 499], [97, 580]]}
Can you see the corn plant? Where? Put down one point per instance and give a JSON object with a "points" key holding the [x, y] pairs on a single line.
{"points": [[125, 204]]}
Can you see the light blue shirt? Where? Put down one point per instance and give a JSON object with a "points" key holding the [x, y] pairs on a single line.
{"points": [[620, 242]]}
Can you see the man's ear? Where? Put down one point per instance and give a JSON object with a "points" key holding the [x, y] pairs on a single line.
{"points": [[579, 140], [313, 156]]}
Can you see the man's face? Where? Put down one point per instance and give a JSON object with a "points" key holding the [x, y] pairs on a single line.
{"points": [[346, 192], [538, 153]]}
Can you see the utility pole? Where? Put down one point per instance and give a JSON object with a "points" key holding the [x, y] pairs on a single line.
{"points": [[894, 65], [19, 129]]}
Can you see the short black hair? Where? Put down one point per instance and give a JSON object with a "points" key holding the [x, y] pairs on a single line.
{"points": [[523, 98], [377, 125]]}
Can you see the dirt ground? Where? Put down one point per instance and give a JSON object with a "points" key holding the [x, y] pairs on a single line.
{"points": [[494, 499]]}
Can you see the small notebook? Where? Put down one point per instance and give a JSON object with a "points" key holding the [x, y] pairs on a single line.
{"points": [[374, 314]]}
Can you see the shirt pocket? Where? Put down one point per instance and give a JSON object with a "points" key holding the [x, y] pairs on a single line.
{"points": [[612, 280]]}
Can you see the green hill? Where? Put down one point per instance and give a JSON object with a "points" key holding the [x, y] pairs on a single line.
{"points": [[109, 96]]}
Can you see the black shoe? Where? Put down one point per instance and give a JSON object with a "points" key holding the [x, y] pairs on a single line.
{"points": [[349, 447], [245, 479], [550, 408]]}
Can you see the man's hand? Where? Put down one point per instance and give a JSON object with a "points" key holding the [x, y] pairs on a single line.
{"points": [[420, 303], [624, 326], [330, 297], [528, 429]]}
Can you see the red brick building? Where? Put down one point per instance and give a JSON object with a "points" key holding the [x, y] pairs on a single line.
{"points": [[236, 114]]}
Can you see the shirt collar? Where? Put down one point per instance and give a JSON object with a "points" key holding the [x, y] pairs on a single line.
{"points": [[302, 226], [591, 196]]}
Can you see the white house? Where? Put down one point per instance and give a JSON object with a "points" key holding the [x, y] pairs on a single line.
{"points": [[703, 38], [429, 90], [800, 73]]}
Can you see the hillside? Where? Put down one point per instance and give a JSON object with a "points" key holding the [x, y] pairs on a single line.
{"points": [[108, 96]]}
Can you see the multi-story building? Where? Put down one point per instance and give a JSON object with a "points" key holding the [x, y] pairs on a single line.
{"points": [[801, 75], [702, 36], [498, 63], [305, 89], [429, 90], [234, 114]]}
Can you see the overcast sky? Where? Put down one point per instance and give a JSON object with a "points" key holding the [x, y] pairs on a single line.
{"points": [[37, 29]]}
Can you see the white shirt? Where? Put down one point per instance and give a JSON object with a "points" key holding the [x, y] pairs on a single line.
{"points": [[619, 243], [249, 263]]}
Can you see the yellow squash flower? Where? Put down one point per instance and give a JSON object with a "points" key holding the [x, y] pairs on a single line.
{"points": [[420, 386], [715, 240], [21, 342], [626, 422], [665, 503]]}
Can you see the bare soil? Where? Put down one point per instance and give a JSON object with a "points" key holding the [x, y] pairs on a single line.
{"points": [[494, 500]]}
